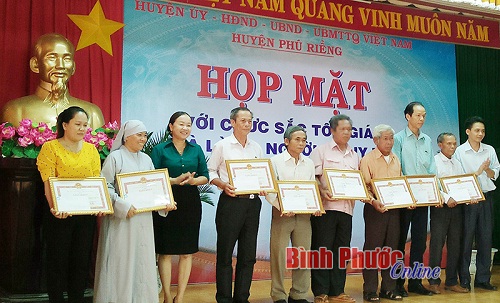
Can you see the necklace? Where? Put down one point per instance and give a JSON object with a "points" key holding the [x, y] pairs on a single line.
{"points": [[180, 149], [74, 148]]}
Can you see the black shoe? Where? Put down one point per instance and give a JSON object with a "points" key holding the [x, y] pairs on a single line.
{"points": [[291, 300], [485, 285], [280, 301], [402, 291], [371, 297], [391, 295], [420, 289]]}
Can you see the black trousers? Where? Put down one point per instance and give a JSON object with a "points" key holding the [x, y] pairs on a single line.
{"points": [[381, 229], [332, 231], [418, 219], [69, 245], [446, 226], [478, 225], [237, 219]]}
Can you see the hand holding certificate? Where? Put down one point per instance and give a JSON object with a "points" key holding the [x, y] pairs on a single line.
{"points": [[462, 188], [147, 190], [80, 196], [346, 184], [251, 176], [393, 192]]}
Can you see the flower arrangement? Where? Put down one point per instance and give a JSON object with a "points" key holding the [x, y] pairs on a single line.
{"points": [[27, 139]]}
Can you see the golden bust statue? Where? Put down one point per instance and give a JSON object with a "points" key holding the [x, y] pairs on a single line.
{"points": [[54, 63]]}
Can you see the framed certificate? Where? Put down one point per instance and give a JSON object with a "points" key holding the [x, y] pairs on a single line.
{"points": [[300, 197], [147, 190], [462, 188], [80, 196], [346, 184], [393, 192], [425, 189], [251, 176]]}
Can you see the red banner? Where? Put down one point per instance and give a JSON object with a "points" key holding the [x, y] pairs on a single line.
{"points": [[352, 15]]}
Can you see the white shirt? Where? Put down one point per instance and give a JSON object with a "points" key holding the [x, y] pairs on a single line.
{"points": [[447, 167], [230, 149], [471, 160], [285, 168]]}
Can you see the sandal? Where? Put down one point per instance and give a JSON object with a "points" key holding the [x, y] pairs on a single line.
{"points": [[387, 294], [371, 297]]}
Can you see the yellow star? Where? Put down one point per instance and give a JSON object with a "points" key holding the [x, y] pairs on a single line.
{"points": [[96, 29]]}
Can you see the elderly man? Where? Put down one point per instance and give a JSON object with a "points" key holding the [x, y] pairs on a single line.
{"points": [[381, 224], [414, 149], [237, 217], [333, 229], [480, 159], [53, 61], [446, 221], [290, 165]]}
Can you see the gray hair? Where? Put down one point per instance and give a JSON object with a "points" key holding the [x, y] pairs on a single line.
{"points": [[291, 129], [235, 111], [441, 136], [381, 128], [334, 121]]}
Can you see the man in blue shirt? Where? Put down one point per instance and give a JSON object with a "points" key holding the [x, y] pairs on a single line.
{"points": [[414, 150]]}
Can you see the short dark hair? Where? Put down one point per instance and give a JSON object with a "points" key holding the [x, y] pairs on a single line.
{"points": [[334, 121], [441, 136], [471, 120], [291, 129], [173, 118], [410, 106], [66, 116], [235, 111]]}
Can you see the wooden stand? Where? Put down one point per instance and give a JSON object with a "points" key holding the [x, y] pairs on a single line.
{"points": [[22, 205]]}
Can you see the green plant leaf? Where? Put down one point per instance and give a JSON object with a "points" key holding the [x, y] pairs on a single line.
{"points": [[18, 152]]}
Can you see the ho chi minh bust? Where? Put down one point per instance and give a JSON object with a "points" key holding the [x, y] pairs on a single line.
{"points": [[53, 61]]}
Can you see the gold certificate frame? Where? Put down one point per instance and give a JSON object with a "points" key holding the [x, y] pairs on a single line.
{"points": [[251, 176], [424, 189], [147, 190], [393, 192], [346, 184], [299, 197], [462, 188], [77, 196]]}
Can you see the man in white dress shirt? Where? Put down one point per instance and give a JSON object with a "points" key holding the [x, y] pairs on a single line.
{"points": [[480, 159], [290, 165], [446, 220], [237, 216]]}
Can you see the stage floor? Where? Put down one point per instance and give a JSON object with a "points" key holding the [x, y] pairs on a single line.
{"points": [[205, 293]]}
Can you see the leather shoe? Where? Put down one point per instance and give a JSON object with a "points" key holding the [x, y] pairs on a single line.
{"points": [[420, 289], [485, 285], [402, 291], [434, 288], [280, 301], [457, 288], [292, 300]]}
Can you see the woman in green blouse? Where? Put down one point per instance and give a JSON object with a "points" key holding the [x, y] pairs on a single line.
{"points": [[178, 232]]}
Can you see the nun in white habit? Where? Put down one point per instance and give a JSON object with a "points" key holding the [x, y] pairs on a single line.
{"points": [[126, 264]]}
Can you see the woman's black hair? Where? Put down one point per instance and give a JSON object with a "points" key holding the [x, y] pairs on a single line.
{"points": [[64, 117], [172, 120]]}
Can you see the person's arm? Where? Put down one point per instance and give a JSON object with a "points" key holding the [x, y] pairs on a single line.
{"points": [[213, 165], [121, 207]]}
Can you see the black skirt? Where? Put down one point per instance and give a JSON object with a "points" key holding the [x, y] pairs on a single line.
{"points": [[179, 232]]}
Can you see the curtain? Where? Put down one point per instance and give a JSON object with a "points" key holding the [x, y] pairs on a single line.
{"points": [[98, 75], [478, 85]]}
